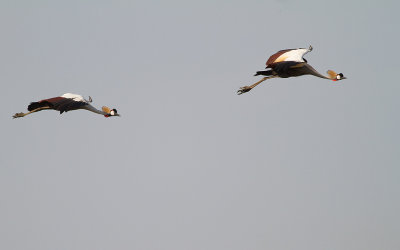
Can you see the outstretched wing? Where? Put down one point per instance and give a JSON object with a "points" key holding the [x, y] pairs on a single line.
{"points": [[295, 55], [61, 104], [275, 56]]}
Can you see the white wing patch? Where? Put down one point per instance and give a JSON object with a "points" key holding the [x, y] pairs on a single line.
{"points": [[75, 97], [295, 55]]}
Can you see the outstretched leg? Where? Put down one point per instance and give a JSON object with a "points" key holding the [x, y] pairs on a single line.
{"points": [[248, 88], [18, 115]]}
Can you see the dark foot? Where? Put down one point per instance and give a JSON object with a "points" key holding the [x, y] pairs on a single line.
{"points": [[243, 90], [17, 115]]}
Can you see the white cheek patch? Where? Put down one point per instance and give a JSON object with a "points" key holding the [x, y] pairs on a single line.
{"points": [[338, 77], [112, 112]]}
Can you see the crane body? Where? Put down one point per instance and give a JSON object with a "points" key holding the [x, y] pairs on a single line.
{"points": [[290, 63], [66, 102]]}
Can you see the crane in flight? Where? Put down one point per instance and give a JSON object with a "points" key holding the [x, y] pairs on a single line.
{"points": [[65, 103], [289, 63]]}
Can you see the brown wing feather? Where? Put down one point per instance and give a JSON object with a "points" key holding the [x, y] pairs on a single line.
{"points": [[57, 103], [44, 103], [275, 56]]}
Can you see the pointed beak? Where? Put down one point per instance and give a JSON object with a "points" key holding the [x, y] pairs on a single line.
{"points": [[343, 78]]}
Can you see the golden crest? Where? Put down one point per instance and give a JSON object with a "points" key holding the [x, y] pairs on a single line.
{"points": [[106, 109], [332, 74]]}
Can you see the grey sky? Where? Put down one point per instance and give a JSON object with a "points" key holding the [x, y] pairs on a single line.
{"points": [[300, 163]]}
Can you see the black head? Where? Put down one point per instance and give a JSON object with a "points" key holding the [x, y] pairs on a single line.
{"points": [[340, 77], [114, 112]]}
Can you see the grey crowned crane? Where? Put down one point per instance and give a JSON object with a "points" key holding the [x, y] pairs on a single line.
{"points": [[65, 103], [289, 63]]}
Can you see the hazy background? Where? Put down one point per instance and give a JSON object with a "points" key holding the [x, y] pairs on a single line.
{"points": [[300, 163]]}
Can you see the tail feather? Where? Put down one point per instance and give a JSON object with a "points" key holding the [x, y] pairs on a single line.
{"points": [[36, 105], [263, 73]]}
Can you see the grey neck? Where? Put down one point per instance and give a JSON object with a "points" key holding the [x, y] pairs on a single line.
{"points": [[95, 110]]}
